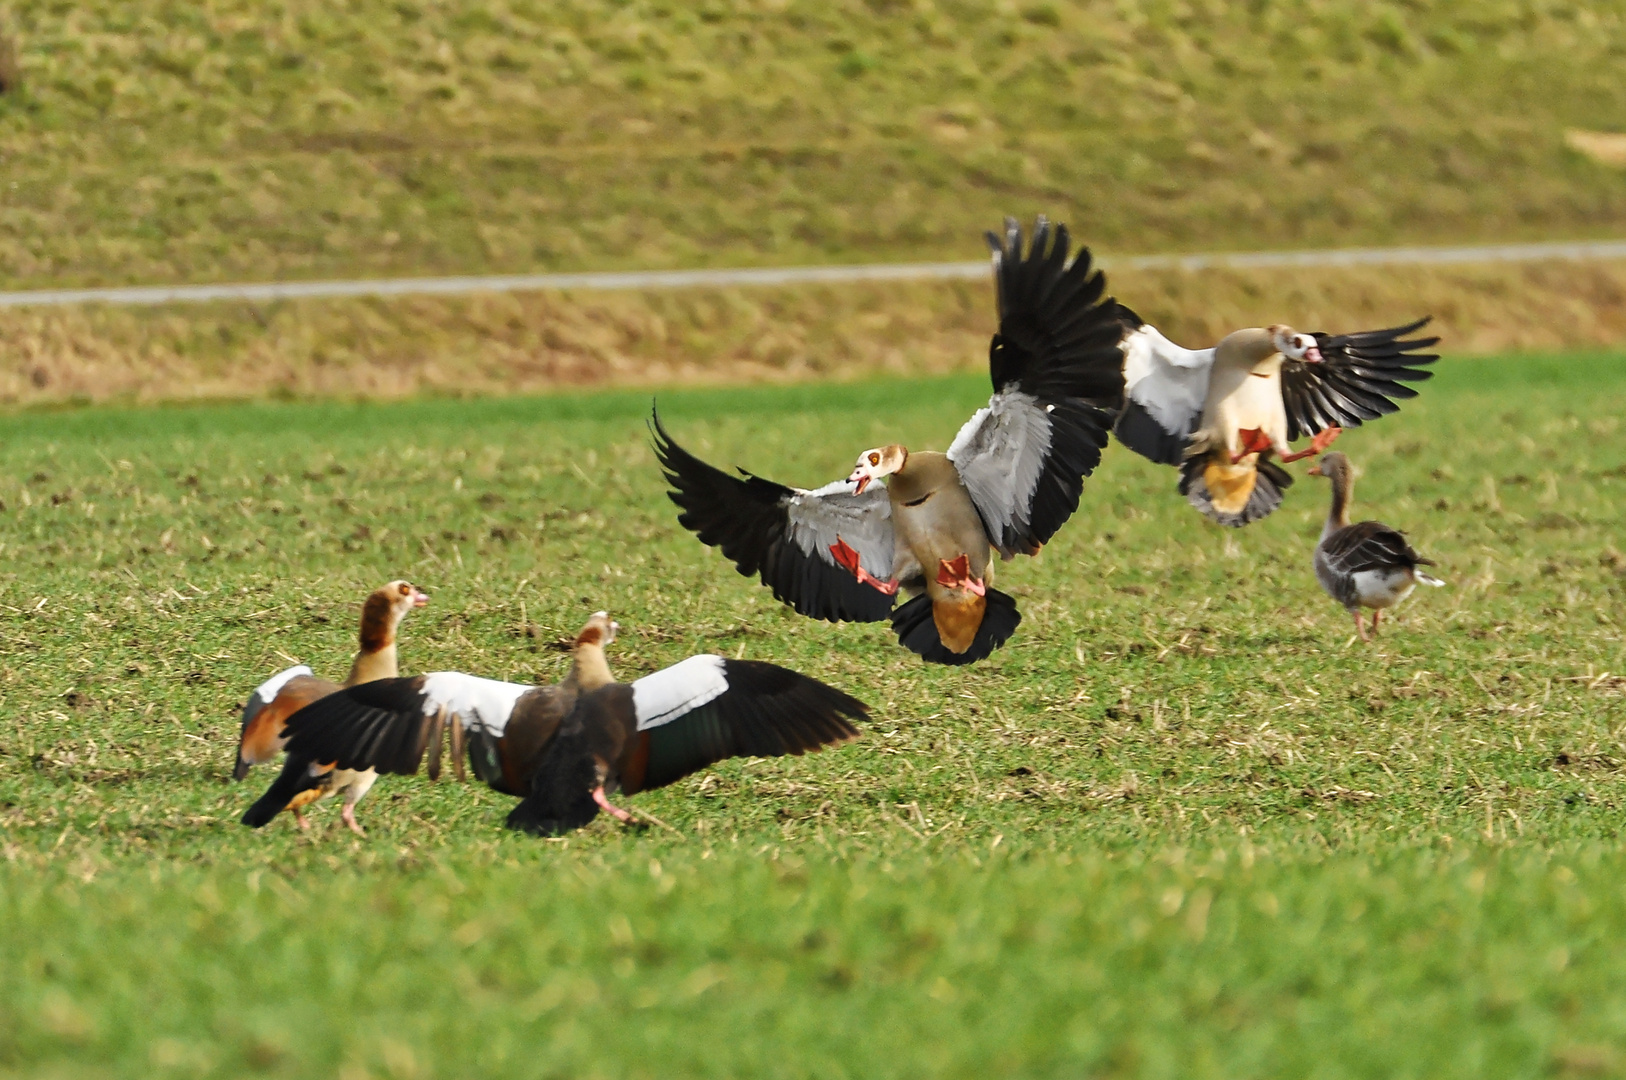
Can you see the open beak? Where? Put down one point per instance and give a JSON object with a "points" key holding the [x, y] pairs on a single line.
{"points": [[419, 599], [862, 480]]}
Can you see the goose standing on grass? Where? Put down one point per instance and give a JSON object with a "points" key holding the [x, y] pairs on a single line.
{"points": [[279, 697], [1367, 564], [1009, 480], [564, 750], [1220, 414]]}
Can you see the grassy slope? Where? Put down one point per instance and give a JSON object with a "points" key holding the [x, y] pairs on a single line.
{"points": [[175, 141], [1179, 826], [532, 342]]}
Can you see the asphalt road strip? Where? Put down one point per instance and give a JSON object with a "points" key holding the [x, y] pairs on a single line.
{"points": [[793, 275]]}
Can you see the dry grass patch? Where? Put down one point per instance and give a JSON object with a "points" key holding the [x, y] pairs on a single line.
{"points": [[502, 343]]}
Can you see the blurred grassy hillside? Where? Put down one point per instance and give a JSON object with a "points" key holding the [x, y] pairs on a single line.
{"points": [[164, 140]]}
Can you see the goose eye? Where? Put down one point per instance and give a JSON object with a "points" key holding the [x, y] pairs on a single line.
{"points": [[875, 459]]}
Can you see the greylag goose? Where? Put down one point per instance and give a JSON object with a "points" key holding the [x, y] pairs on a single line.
{"points": [[285, 693], [1219, 414], [1366, 564], [564, 750], [1010, 478]]}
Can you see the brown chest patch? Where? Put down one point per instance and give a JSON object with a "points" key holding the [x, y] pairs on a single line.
{"points": [[958, 620]]}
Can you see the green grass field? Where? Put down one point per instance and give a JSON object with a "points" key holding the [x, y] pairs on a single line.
{"points": [[166, 140], [1180, 826]]}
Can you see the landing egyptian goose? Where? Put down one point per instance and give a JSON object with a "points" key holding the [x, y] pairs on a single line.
{"points": [[563, 750], [1219, 414], [285, 693], [1367, 564], [1009, 480]]}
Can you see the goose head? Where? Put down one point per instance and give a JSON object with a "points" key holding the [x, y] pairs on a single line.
{"points": [[1334, 466], [600, 630], [876, 463], [384, 609], [1294, 345]]}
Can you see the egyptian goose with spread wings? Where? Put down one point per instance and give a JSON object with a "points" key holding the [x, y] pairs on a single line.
{"points": [[1219, 414], [1009, 480], [285, 693], [1366, 564], [564, 750]]}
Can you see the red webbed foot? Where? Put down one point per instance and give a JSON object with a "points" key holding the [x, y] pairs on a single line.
{"points": [[846, 557], [1254, 441], [1322, 440], [956, 574]]}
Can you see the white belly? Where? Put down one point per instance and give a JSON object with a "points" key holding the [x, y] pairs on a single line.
{"points": [[1240, 401], [1383, 588]]}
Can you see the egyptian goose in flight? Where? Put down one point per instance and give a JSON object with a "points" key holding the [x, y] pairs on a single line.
{"points": [[285, 693], [1009, 480], [1366, 564], [564, 750], [1219, 414]]}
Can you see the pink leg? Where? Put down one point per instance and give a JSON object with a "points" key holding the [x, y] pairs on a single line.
{"points": [[349, 816], [605, 804], [304, 826], [1360, 625], [1376, 616]]}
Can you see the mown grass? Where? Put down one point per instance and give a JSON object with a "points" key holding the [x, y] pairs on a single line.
{"points": [[168, 141], [1180, 826]]}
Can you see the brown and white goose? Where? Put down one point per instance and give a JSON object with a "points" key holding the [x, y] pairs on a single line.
{"points": [[564, 750], [1366, 564], [1009, 480], [1220, 414], [285, 693]]}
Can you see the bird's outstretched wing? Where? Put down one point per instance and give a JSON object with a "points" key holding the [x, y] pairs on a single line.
{"points": [[787, 535], [1358, 379], [1164, 389], [388, 725], [1057, 373]]}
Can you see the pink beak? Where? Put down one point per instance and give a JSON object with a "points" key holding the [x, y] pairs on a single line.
{"points": [[1312, 355], [419, 599], [863, 482]]}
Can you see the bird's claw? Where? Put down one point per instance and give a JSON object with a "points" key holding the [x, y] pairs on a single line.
{"points": [[1324, 438], [956, 574], [847, 558]]}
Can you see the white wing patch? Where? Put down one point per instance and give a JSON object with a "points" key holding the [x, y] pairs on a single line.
{"points": [[1000, 454], [680, 689], [485, 704], [1171, 383], [270, 688]]}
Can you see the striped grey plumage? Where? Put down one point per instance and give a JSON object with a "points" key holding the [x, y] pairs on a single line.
{"points": [[1366, 546], [818, 518], [1000, 453]]}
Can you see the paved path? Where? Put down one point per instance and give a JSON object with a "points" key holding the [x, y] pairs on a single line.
{"points": [[794, 275]]}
